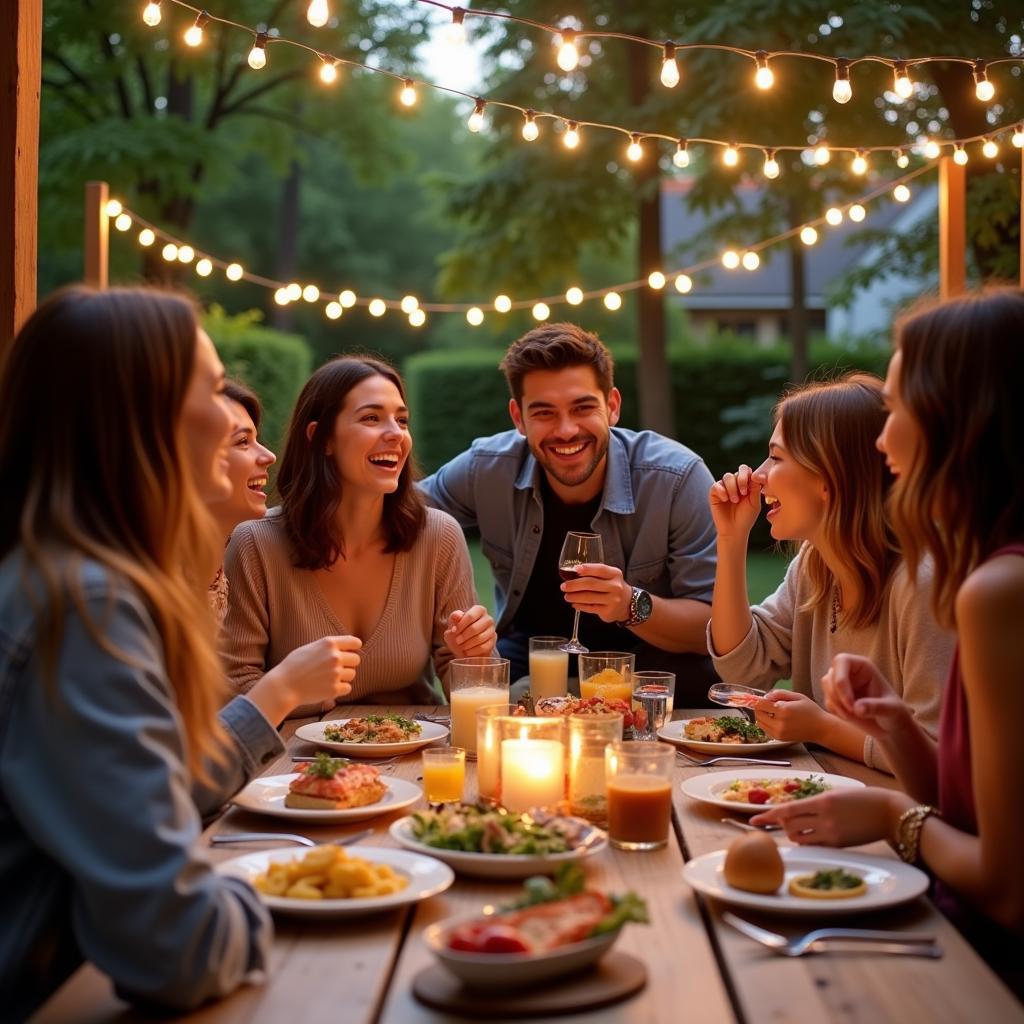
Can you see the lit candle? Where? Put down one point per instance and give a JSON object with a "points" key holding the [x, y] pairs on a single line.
{"points": [[487, 749], [532, 773]]}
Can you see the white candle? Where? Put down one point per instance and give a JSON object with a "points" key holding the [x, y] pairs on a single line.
{"points": [[464, 704], [532, 773], [549, 673]]}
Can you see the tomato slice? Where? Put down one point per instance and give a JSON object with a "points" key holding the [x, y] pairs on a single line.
{"points": [[758, 796]]}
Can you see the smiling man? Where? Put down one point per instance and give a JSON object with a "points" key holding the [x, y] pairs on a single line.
{"points": [[567, 466]]}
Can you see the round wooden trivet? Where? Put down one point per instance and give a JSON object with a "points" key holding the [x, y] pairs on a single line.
{"points": [[616, 977]]}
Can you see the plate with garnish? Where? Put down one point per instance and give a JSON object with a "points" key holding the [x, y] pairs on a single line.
{"points": [[752, 790], [372, 735], [720, 734]]}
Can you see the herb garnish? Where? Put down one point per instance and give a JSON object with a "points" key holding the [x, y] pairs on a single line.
{"points": [[325, 766]]}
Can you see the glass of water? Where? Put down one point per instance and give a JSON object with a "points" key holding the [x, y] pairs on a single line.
{"points": [[653, 693]]}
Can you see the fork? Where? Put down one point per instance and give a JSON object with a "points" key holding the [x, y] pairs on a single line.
{"points": [[302, 759], [436, 719], [286, 837], [730, 760], [908, 943]]}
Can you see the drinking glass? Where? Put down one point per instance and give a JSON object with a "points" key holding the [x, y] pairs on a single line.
{"points": [[474, 683], [549, 667], [653, 693], [444, 774], [532, 766], [639, 775], [607, 674], [578, 549], [589, 735]]}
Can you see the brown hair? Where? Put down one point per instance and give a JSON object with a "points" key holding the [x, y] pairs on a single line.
{"points": [[555, 347], [246, 398], [960, 376], [308, 482], [93, 466], [830, 428]]}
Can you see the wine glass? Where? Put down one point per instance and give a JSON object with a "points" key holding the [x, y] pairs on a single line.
{"points": [[578, 549]]}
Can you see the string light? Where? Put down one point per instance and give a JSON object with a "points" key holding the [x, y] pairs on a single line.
{"points": [[475, 316], [151, 14], [186, 254], [959, 155], [731, 156], [281, 296], [1018, 136], [989, 149], [656, 279], [669, 67], [294, 291], [751, 261], [730, 259], [856, 213], [123, 222], [455, 33], [169, 252], [842, 90], [502, 303], [983, 88], [317, 13], [204, 267], [634, 151], [194, 33], [408, 304], [931, 149], [822, 154], [571, 138], [530, 129], [681, 157], [476, 119], [347, 298], [311, 293], [568, 56], [808, 235], [683, 283], [902, 85], [234, 271], [407, 97], [771, 165], [147, 237], [417, 318], [574, 296], [834, 216], [901, 193], [328, 71], [258, 53], [613, 301], [377, 307], [540, 311], [902, 159], [764, 77], [333, 310], [859, 164], [113, 207]]}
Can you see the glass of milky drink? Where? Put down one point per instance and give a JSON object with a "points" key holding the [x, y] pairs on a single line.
{"points": [[549, 667], [474, 683]]}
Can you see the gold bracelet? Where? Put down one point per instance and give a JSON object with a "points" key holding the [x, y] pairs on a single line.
{"points": [[908, 831]]}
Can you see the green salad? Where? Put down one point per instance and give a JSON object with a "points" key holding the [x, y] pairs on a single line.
{"points": [[475, 828]]}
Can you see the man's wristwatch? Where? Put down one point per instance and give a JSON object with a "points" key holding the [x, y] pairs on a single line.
{"points": [[640, 608]]}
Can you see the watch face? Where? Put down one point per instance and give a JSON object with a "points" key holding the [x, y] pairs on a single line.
{"points": [[644, 606]]}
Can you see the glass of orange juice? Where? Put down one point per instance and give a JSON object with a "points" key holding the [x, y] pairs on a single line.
{"points": [[639, 778], [607, 674], [444, 774]]}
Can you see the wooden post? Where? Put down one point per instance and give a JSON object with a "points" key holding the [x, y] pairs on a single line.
{"points": [[97, 234], [20, 67], [952, 228], [1022, 218]]}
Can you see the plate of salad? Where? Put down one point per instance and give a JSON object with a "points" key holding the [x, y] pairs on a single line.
{"points": [[717, 734], [373, 735], [489, 842]]}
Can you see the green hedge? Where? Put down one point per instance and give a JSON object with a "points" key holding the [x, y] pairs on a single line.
{"points": [[274, 364]]}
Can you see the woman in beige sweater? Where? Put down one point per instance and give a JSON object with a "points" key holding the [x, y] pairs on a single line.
{"points": [[353, 550], [846, 591]]}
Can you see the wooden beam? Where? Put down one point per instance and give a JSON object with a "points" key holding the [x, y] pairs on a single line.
{"points": [[21, 39], [97, 234], [952, 228]]}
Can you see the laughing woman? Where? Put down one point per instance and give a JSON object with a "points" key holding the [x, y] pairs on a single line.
{"points": [[353, 549], [846, 590]]}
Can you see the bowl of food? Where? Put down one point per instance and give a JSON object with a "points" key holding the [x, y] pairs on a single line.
{"points": [[554, 928]]}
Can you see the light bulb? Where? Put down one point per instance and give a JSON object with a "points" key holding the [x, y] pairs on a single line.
{"points": [[822, 155], [983, 88], [751, 261], [730, 259], [377, 307], [407, 97], [902, 159], [634, 151], [540, 311], [258, 53], [932, 149], [683, 283], [681, 157], [294, 291], [317, 13], [502, 303], [147, 237], [902, 85], [989, 149], [731, 156], [530, 129], [859, 164], [842, 90], [113, 207], [669, 67], [771, 165], [455, 33], [151, 15], [834, 216], [234, 271], [574, 296], [408, 304], [568, 55], [959, 155], [764, 78], [808, 235], [571, 138], [476, 119], [186, 254], [194, 34], [901, 193], [311, 293], [1018, 136], [347, 298], [333, 310], [656, 279], [856, 213], [204, 267], [475, 316], [281, 296], [328, 72], [170, 252], [417, 318], [613, 301], [123, 222]]}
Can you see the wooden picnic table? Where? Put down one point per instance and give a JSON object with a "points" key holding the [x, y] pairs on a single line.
{"points": [[699, 970]]}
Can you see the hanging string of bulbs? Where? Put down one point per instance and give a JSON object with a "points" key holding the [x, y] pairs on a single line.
{"points": [[175, 250], [572, 128]]}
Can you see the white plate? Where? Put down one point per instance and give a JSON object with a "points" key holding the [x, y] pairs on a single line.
{"points": [[266, 796], [889, 881], [494, 865], [707, 788], [673, 732], [426, 878], [314, 733]]}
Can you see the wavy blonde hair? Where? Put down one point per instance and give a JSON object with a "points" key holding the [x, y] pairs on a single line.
{"points": [[830, 428], [94, 469], [962, 364]]}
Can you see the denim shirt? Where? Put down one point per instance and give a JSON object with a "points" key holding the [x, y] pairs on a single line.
{"points": [[654, 518], [100, 823]]}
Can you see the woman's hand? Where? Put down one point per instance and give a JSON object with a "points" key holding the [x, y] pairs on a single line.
{"points": [[857, 692], [736, 503], [789, 716], [841, 817], [471, 634]]}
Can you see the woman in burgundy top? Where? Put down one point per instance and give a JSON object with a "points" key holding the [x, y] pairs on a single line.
{"points": [[953, 440]]}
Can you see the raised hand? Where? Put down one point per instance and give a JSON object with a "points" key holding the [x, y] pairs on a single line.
{"points": [[857, 692], [735, 502], [600, 590], [471, 634]]}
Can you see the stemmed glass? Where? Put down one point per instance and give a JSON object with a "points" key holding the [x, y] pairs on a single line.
{"points": [[578, 549]]}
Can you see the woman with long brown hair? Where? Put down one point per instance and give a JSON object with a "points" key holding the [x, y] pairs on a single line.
{"points": [[353, 548], [953, 440], [845, 591], [112, 442]]}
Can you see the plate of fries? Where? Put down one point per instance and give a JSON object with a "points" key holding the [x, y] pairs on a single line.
{"points": [[330, 881]]}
